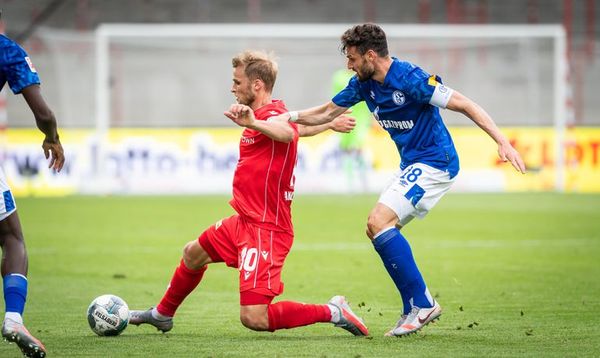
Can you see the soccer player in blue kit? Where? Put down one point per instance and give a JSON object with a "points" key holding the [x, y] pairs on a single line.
{"points": [[405, 101], [17, 69]]}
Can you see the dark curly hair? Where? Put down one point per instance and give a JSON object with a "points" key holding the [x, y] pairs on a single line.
{"points": [[365, 37]]}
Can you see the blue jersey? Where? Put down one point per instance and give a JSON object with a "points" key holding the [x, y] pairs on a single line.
{"points": [[15, 66], [404, 106]]}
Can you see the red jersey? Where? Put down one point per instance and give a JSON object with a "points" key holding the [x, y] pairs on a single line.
{"points": [[263, 183]]}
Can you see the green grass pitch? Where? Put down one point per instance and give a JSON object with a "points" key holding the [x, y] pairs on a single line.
{"points": [[516, 275]]}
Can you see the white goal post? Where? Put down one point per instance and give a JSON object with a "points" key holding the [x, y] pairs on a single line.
{"points": [[107, 33]]}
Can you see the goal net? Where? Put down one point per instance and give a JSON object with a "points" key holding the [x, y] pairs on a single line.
{"points": [[167, 85]]}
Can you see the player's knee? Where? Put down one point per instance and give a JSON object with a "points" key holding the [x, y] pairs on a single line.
{"points": [[374, 225], [369, 233], [191, 257], [254, 320]]}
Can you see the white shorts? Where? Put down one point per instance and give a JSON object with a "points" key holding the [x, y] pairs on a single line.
{"points": [[7, 202], [412, 192]]}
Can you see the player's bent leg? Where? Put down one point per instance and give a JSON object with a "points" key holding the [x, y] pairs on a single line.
{"points": [[255, 317], [186, 278], [14, 254], [14, 268], [395, 251], [289, 314], [380, 218], [194, 255]]}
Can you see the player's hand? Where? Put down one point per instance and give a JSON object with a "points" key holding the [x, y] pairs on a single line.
{"points": [[53, 150], [508, 153], [343, 124], [241, 114]]}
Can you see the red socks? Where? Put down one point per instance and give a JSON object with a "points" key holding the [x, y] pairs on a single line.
{"points": [[182, 284], [284, 314], [289, 314]]}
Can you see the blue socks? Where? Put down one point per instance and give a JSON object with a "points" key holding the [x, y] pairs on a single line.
{"points": [[15, 292], [400, 264]]}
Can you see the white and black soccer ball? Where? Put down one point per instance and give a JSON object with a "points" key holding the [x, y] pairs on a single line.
{"points": [[108, 315]]}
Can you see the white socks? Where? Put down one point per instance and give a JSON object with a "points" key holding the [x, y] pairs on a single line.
{"points": [[335, 313], [159, 316], [14, 316]]}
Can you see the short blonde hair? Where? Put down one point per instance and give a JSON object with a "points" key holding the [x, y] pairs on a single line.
{"points": [[258, 65]]}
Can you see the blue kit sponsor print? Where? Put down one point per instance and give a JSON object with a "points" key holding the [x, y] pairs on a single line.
{"points": [[401, 105]]}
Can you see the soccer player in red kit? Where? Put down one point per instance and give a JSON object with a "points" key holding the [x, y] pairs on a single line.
{"points": [[257, 239]]}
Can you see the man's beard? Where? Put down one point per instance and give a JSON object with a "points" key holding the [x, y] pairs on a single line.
{"points": [[248, 98], [365, 73]]}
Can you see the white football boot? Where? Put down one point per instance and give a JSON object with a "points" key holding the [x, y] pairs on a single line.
{"points": [[348, 320], [16, 332], [141, 317], [416, 319]]}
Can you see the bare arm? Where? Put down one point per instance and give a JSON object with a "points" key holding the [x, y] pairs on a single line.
{"points": [[243, 116], [45, 121], [460, 103], [342, 124], [314, 116]]}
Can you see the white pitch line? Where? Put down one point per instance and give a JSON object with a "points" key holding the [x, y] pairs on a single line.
{"points": [[454, 244], [424, 243]]}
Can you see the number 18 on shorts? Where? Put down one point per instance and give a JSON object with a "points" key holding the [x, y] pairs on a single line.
{"points": [[412, 192]]}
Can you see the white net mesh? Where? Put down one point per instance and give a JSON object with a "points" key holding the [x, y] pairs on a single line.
{"points": [[183, 81]]}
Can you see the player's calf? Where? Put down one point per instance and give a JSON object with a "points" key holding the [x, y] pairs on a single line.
{"points": [[255, 317]]}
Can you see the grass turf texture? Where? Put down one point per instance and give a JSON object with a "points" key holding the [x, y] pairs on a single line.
{"points": [[516, 274]]}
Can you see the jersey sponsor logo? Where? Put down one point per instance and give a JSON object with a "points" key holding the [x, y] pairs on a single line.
{"points": [[246, 140], [30, 64], [396, 124], [399, 98]]}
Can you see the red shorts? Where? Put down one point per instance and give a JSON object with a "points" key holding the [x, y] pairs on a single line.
{"points": [[256, 252]]}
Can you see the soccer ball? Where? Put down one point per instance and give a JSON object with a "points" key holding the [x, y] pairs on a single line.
{"points": [[108, 315]]}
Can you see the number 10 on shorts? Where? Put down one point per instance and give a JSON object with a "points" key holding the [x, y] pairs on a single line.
{"points": [[248, 260]]}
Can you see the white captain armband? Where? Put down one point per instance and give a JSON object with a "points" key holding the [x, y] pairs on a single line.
{"points": [[293, 116], [441, 95]]}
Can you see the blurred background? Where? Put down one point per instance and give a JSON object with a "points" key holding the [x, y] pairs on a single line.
{"points": [[161, 128]]}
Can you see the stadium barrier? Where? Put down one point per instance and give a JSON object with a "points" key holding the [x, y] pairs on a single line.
{"points": [[182, 161]]}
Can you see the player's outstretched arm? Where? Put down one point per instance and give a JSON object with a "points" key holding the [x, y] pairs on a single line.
{"points": [[314, 116], [341, 124], [243, 116], [461, 103], [46, 122]]}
